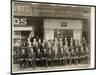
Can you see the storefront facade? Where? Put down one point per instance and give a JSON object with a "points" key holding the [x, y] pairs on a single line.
{"points": [[21, 30], [56, 27], [49, 21]]}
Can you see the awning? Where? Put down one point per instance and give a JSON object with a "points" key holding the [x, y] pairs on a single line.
{"points": [[29, 28]]}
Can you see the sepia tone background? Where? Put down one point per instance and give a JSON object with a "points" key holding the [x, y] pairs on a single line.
{"points": [[46, 21], [5, 29]]}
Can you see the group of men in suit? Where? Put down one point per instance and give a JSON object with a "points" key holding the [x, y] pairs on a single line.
{"points": [[60, 51]]}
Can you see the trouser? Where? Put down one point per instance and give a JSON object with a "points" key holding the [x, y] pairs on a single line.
{"points": [[22, 62], [31, 62]]}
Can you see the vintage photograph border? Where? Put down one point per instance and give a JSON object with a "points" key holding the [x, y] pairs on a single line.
{"points": [[54, 70]]}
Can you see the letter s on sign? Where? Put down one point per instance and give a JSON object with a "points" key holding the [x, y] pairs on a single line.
{"points": [[23, 21]]}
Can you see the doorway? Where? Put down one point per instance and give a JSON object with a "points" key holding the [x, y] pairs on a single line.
{"points": [[25, 35], [62, 33]]}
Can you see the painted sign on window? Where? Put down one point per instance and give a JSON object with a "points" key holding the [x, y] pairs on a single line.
{"points": [[64, 24]]}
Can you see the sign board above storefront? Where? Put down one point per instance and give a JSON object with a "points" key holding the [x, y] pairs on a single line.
{"points": [[51, 12], [22, 9], [20, 21]]}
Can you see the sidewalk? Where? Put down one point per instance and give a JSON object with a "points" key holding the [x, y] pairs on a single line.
{"points": [[16, 68]]}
